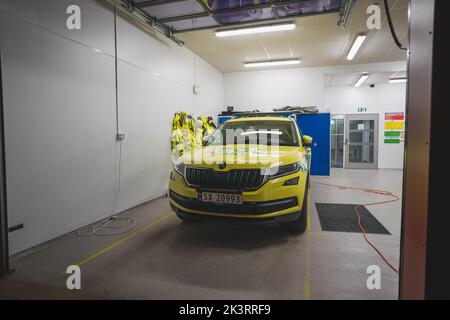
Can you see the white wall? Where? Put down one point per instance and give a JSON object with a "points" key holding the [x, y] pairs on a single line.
{"points": [[60, 114], [380, 99], [264, 90], [156, 80], [300, 86]]}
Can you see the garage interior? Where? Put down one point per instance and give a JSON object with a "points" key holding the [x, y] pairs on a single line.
{"points": [[87, 117]]}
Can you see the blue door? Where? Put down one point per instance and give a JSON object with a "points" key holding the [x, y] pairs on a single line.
{"points": [[318, 127]]}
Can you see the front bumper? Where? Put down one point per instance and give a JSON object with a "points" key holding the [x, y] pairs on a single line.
{"points": [[256, 208], [211, 216], [272, 201]]}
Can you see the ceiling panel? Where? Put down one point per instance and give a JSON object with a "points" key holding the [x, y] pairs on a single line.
{"points": [[349, 79], [330, 49], [304, 50], [317, 41], [303, 33], [330, 32], [253, 53]]}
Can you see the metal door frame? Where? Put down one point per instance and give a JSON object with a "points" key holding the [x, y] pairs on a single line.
{"points": [[365, 116], [4, 250]]}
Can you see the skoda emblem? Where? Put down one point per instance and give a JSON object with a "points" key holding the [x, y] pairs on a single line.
{"points": [[222, 166]]}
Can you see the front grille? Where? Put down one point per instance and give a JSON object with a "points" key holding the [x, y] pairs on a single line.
{"points": [[250, 179]]}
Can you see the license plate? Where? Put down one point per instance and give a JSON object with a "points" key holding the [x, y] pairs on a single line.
{"points": [[228, 198]]}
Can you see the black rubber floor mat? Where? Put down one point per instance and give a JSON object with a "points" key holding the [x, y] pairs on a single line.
{"points": [[342, 218]]}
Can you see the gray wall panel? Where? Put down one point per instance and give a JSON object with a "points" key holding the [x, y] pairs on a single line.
{"points": [[59, 99]]}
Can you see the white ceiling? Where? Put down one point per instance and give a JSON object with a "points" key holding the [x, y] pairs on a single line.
{"points": [[317, 41]]}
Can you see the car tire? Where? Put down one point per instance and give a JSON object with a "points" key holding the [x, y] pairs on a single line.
{"points": [[299, 226], [185, 219]]}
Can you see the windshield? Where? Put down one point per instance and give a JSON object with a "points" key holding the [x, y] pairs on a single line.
{"points": [[262, 132]]}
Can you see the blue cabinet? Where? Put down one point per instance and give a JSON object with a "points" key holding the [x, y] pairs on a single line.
{"points": [[318, 127], [222, 119]]}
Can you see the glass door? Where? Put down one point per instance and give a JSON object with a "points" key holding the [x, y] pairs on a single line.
{"points": [[337, 141], [361, 141]]}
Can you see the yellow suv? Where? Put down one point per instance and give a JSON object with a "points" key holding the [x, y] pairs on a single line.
{"points": [[252, 168]]}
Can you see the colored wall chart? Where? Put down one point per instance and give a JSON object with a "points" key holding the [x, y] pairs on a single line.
{"points": [[394, 127]]}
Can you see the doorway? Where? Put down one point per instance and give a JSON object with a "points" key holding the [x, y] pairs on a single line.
{"points": [[361, 141], [337, 140]]}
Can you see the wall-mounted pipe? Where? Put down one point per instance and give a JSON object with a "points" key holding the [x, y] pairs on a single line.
{"points": [[344, 13]]}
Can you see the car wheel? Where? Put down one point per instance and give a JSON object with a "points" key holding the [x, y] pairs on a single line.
{"points": [[299, 226]]}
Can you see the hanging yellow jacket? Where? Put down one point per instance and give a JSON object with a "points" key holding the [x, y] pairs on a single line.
{"points": [[175, 137], [188, 132], [181, 136], [208, 126], [177, 143], [188, 135], [193, 130]]}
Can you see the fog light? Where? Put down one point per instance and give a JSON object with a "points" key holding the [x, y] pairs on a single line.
{"points": [[291, 182]]}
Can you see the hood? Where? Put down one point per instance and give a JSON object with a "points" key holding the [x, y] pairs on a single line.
{"points": [[242, 157]]}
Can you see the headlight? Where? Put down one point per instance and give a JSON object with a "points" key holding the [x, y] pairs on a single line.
{"points": [[180, 168], [276, 172]]}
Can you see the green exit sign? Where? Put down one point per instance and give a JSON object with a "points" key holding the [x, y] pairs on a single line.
{"points": [[362, 109]]}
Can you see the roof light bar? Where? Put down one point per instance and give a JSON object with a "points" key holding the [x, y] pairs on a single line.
{"points": [[361, 80], [272, 63], [356, 46], [254, 30]]}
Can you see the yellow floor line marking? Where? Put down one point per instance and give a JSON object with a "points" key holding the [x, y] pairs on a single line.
{"points": [[307, 281], [121, 241]]}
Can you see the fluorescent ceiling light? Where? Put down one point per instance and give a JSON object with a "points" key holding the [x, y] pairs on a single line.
{"points": [[356, 46], [398, 80], [253, 30], [361, 80], [271, 63]]}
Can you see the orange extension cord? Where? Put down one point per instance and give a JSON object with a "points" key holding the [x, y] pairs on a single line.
{"points": [[378, 192]]}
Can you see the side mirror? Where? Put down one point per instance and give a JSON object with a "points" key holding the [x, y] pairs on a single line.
{"points": [[307, 141]]}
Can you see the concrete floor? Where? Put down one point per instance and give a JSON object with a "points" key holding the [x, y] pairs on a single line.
{"points": [[164, 258]]}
